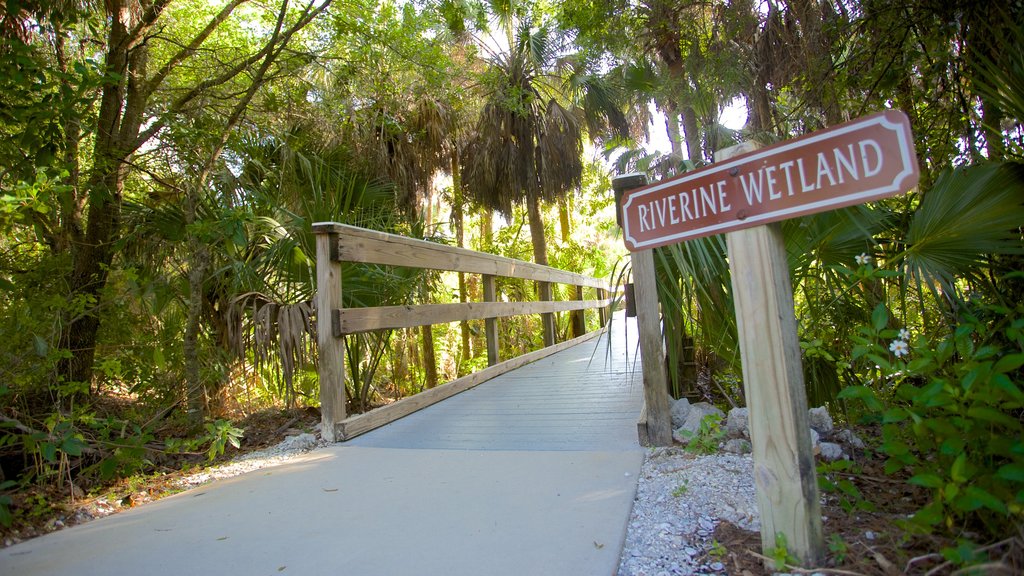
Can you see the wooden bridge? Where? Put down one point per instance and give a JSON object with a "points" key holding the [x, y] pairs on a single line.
{"points": [[530, 471], [338, 243]]}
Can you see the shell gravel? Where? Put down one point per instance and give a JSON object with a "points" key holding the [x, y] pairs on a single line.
{"points": [[680, 499]]}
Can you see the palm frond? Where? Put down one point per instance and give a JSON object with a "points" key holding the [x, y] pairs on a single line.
{"points": [[971, 213]]}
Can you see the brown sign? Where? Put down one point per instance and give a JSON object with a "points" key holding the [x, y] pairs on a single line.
{"points": [[866, 159]]}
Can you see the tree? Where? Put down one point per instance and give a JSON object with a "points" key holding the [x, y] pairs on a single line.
{"points": [[145, 88]]}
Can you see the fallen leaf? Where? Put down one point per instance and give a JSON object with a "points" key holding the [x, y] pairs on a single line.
{"points": [[281, 568], [222, 538], [330, 489], [598, 546]]}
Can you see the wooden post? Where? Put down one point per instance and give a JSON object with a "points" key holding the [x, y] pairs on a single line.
{"points": [[652, 352], [579, 321], [784, 472], [547, 319], [490, 324], [602, 312], [330, 346]]}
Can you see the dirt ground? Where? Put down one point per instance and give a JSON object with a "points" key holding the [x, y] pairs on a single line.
{"points": [[871, 542]]}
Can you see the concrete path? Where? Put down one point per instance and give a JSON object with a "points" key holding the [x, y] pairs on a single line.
{"points": [[532, 473]]}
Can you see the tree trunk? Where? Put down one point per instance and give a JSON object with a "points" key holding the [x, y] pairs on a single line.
{"points": [[460, 241], [675, 137], [91, 257], [540, 256], [429, 359], [196, 393], [691, 131]]}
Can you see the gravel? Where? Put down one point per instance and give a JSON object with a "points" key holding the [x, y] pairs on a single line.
{"points": [[680, 499]]}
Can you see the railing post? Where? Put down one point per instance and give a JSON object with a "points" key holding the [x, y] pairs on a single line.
{"points": [[490, 324], [330, 346], [602, 311], [547, 319], [652, 353], [579, 321]]}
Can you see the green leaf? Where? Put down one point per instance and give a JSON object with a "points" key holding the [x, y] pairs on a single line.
{"points": [[896, 414], [992, 415], [880, 362], [1003, 382], [926, 480], [930, 515], [1012, 472], [49, 451], [880, 317], [958, 472], [72, 446], [1009, 363], [919, 364], [974, 498]]}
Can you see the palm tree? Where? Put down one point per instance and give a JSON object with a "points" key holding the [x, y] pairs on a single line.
{"points": [[527, 144]]}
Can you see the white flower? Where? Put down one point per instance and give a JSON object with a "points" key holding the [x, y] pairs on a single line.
{"points": [[904, 334], [899, 348], [862, 259]]}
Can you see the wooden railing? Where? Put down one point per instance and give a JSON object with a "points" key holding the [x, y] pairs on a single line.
{"points": [[337, 243]]}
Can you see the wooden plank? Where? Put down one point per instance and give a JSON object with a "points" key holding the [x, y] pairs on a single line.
{"points": [[652, 353], [362, 423], [490, 324], [784, 472], [331, 349], [353, 320], [374, 247]]}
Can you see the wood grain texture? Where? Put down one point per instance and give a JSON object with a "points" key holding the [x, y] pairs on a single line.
{"points": [[362, 423], [370, 246], [490, 324], [784, 471], [652, 353], [331, 350], [353, 320]]}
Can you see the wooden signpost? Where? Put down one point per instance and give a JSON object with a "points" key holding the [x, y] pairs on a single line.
{"points": [[742, 194]]}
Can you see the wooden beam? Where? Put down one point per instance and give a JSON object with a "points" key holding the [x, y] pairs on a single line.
{"points": [[370, 246], [362, 423], [784, 472], [490, 324], [331, 349], [652, 352], [353, 320]]}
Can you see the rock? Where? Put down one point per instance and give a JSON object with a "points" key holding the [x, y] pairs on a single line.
{"points": [[696, 414], [737, 446], [820, 420], [846, 436], [680, 408], [815, 438], [300, 442], [831, 452], [737, 424]]}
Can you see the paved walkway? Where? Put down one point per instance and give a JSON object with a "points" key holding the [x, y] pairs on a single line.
{"points": [[532, 473]]}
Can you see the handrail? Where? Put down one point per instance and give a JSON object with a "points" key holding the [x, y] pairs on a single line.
{"points": [[337, 243]]}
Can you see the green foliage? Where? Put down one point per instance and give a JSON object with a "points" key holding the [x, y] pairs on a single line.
{"points": [[708, 437], [681, 490], [839, 548], [950, 411], [831, 480], [780, 553], [220, 433]]}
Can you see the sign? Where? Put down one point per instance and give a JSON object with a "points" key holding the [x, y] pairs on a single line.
{"points": [[863, 160]]}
